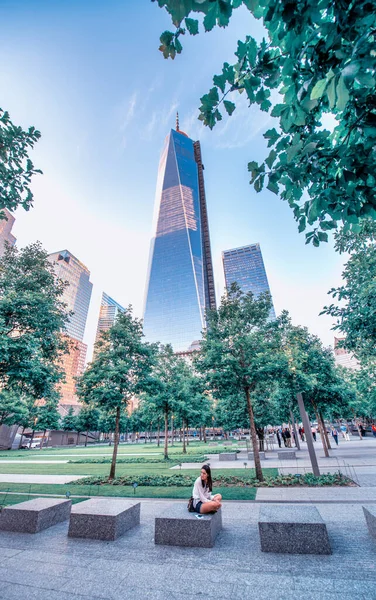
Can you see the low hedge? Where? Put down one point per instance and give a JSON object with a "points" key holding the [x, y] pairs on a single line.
{"points": [[180, 480], [140, 460]]}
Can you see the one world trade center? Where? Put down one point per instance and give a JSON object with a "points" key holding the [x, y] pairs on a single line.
{"points": [[180, 283]]}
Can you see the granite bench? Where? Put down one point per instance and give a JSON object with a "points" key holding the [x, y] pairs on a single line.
{"points": [[103, 518], [293, 529], [213, 443], [34, 515], [178, 527], [228, 456], [370, 515], [287, 455], [251, 455]]}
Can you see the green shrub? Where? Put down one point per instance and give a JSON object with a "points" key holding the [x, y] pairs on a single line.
{"points": [[174, 459]]}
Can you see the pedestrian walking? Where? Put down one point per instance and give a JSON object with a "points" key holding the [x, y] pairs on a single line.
{"points": [[288, 437], [335, 435], [374, 429], [314, 431], [278, 434]]}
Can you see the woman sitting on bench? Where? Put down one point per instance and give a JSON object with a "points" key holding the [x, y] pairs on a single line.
{"points": [[203, 499]]}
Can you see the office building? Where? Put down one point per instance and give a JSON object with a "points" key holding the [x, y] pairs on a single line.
{"points": [[108, 312], [6, 235], [343, 357], [180, 282], [77, 298], [245, 266]]}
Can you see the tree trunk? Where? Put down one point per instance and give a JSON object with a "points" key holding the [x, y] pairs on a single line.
{"points": [[296, 434], [116, 444], [186, 428], [256, 454], [200, 434], [322, 432], [87, 434], [328, 445], [166, 436], [32, 438], [184, 446], [42, 442], [22, 434], [204, 433], [78, 437], [158, 434]]}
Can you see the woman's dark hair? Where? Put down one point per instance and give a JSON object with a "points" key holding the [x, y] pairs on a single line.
{"points": [[209, 482]]}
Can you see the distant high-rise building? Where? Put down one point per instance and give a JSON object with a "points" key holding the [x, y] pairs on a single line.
{"points": [[6, 231], [343, 357], [108, 312], [77, 297], [245, 267], [180, 284]]}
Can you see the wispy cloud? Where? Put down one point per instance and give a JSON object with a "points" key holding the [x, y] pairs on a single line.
{"points": [[160, 120]]}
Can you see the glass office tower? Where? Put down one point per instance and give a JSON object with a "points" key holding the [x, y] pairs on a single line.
{"points": [[108, 312], [180, 283], [245, 267], [77, 298]]}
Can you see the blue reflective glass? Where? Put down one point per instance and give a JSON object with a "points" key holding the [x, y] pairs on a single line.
{"points": [[245, 266], [174, 307]]}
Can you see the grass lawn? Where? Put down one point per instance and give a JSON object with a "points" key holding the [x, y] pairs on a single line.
{"points": [[235, 493], [94, 469]]}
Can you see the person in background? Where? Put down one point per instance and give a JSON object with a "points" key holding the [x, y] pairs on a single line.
{"points": [[314, 431], [278, 434], [374, 429], [335, 435]]}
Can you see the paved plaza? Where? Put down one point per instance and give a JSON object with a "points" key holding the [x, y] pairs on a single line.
{"points": [[49, 565]]}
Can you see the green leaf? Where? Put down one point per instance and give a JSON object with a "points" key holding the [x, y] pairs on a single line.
{"points": [[302, 224], [319, 89], [252, 51], [272, 186], [331, 93], [229, 106], [192, 26], [342, 94], [366, 79], [220, 81], [272, 136], [323, 237], [210, 18], [271, 158]]}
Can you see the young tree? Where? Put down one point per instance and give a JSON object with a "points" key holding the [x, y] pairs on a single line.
{"points": [[122, 368], [240, 353], [31, 318], [13, 408], [69, 421], [88, 418], [321, 58], [16, 168], [48, 418], [355, 312]]}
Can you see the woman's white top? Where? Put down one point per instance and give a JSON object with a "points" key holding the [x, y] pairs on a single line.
{"points": [[201, 494]]}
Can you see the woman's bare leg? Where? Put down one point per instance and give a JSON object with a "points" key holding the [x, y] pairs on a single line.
{"points": [[210, 506]]}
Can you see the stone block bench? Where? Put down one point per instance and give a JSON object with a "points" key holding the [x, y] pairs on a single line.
{"points": [[251, 456], [103, 518], [213, 443], [293, 529], [370, 515], [35, 515], [228, 456], [287, 455], [178, 527]]}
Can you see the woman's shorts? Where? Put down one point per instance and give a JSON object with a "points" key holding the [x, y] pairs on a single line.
{"points": [[198, 506]]}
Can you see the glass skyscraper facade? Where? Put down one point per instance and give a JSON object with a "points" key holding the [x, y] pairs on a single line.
{"points": [[180, 283], [108, 312], [77, 297], [245, 266], [6, 231]]}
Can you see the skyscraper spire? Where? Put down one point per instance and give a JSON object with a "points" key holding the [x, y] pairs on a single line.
{"points": [[177, 121]]}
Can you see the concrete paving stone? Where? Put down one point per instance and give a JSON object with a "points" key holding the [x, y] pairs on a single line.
{"points": [[75, 560], [46, 582], [141, 593], [348, 587], [91, 588], [19, 592]]}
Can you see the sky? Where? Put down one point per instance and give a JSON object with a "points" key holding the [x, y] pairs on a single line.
{"points": [[89, 76]]}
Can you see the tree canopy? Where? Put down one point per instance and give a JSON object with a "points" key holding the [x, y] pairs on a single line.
{"points": [[32, 316], [320, 56], [16, 168]]}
